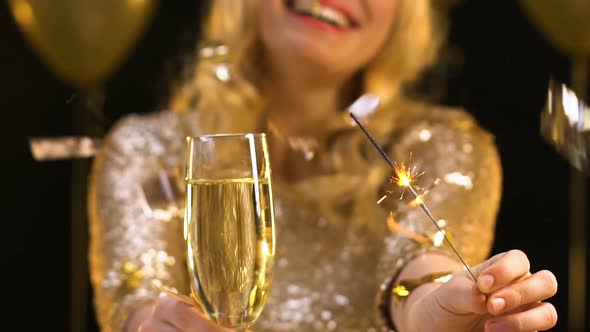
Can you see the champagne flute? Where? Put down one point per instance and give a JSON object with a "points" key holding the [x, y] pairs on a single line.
{"points": [[229, 226]]}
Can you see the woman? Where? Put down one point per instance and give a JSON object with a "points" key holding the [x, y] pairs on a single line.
{"points": [[293, 65]]}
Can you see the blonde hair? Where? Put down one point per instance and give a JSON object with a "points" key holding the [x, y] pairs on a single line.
{"points": [[233, 23], [237, 105]]}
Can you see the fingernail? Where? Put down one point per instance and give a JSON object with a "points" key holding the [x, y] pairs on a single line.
{"points": [[496, 326], [485, 283], [498, 304]]}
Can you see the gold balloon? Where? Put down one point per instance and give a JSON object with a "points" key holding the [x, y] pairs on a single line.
{"points": [[82, 41], [565, 23]]}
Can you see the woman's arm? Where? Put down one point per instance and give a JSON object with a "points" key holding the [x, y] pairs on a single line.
{"points": [[505, 295], [423, 265], [128, 247], [450, 147]]}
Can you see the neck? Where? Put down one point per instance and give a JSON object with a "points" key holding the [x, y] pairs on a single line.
{"points": [[301, 112], [299, 106]]}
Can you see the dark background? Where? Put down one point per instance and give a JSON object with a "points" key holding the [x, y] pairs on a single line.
{"points": [[496, 65]]}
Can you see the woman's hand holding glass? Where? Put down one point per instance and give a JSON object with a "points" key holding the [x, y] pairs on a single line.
{"points": [[169, 314], [229, 238]]}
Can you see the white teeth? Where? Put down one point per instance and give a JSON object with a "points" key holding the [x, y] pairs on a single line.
{"points": [[333, 16], [315, 9]]}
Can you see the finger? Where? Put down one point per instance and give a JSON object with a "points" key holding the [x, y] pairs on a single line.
{"points": [[178, 314], [503, 270], [522, 308], [537, 287], [183, 316], [483, 265], [540, 317], [194, 320], [156, 326], [460, 297]]}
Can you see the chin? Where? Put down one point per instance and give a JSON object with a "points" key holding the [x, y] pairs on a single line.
{"points": [[309, 43], [308, 51], [319, 60]]}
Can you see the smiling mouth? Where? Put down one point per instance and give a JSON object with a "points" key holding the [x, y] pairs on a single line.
{"points": [[313, 9]]}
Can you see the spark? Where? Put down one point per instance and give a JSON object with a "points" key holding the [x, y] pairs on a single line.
{"points": [[404, 177]]}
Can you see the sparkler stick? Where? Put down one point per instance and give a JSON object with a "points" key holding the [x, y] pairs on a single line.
{"points": [[404, 179]]}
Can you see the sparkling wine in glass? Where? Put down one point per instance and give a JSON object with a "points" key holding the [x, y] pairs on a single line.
{"points": [[229, 226]]}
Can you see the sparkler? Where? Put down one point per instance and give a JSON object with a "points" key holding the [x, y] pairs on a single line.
{"points": [[404, 177]]}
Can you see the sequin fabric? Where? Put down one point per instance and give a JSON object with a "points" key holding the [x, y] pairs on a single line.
{"points": [[328, 276]]}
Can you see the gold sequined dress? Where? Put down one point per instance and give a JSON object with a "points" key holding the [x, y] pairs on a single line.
{"points": [[328, 276]]}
